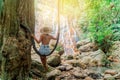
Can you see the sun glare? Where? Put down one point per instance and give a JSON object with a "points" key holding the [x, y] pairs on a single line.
{"points": [[46, 13]]}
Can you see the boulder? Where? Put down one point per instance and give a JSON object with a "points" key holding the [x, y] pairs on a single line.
{"points": [[95, 75], [54, 60], [69, 57], [82, 42], [69, 67], [97, 57], [115, 49], [52, 75], [62, 68], [65, 67], [61, 52], [88, 47], [79, 75], [117, 76], [88, 78], [37, 70], [92, 58], [76, 63], [110, 71], [108, 77]]}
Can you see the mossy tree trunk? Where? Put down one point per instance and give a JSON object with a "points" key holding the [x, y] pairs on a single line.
{"points": [[15, 42]]}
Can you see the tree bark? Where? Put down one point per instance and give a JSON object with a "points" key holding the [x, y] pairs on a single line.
{"points": [[15, 42]]}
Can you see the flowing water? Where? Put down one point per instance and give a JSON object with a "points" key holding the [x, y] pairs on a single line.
{"points": [[48, 16]]}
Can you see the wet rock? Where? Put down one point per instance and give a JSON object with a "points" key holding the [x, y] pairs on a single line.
{"points": [[54, 60], [112, 72], [52, 75]]}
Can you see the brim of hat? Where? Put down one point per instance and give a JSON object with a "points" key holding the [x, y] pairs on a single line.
{"points": [[46, 32]]}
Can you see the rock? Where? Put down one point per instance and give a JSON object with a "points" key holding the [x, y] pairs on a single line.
{"points": [[117, 76], [37, 69], [112, 72], [65, 67], [69, 67], [115, 49], [95, 75], [52, 75], [39, 66], [86, 60], [76, 56], [79, 75], [88, 47], [65, 76], [97, 57], [92, 58], [76, 63], [61, 52], [108, 77], [62, 68], [82, 42], [54, 60], [88, 78], [69, 57]]}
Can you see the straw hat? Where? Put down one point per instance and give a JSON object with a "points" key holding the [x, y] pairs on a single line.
{"points": [[45, 30]]}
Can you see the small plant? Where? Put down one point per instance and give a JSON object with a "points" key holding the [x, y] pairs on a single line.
{"points": [[59, 48]]}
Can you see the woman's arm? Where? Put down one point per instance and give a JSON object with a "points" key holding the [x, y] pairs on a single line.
{"points": [[38, 41], [54, 38]]}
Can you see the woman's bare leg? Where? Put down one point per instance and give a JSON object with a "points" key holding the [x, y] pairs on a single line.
{"points": [[43, 60]]}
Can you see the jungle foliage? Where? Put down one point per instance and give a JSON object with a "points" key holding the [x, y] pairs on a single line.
{"points": [[103, 22]]}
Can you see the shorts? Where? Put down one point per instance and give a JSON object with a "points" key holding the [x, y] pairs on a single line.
{"points": [[44, 49]]}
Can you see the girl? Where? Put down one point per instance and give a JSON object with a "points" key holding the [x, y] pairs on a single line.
{"points": [[45, 38]]}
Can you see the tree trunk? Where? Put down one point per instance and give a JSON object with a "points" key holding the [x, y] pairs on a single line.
{"points": [[15, 42]]}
